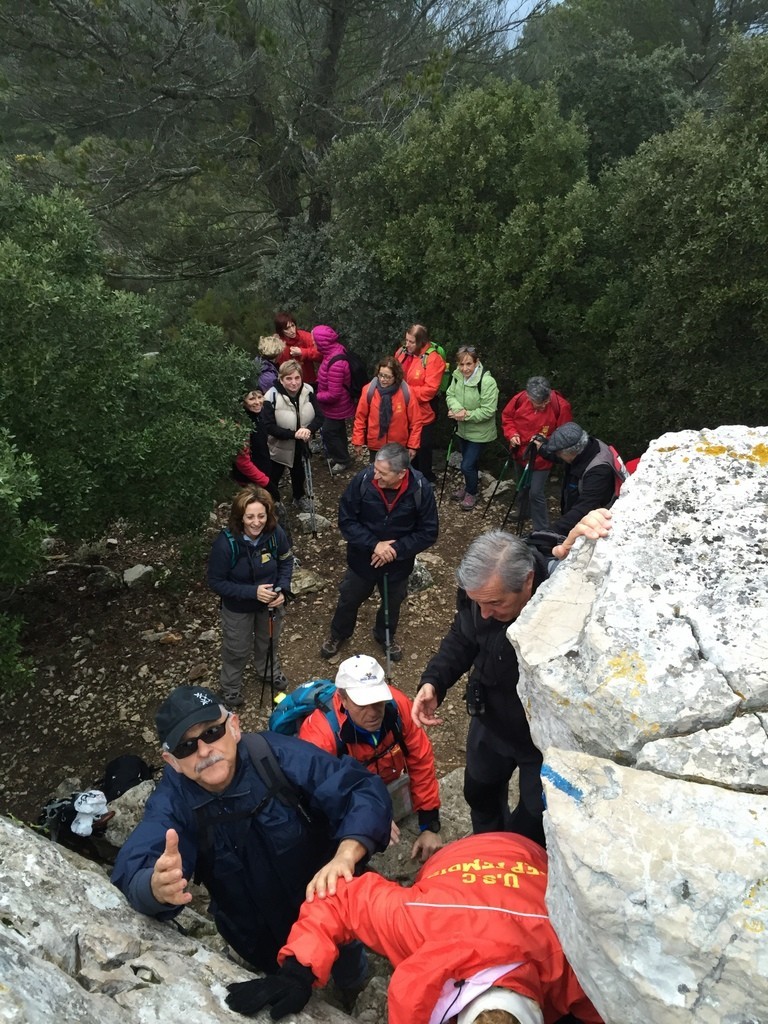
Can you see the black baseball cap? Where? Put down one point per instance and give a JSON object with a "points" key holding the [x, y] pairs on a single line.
{"points": [[185, 707]]}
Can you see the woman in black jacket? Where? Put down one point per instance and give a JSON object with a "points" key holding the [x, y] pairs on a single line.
{"points": [[250, 567]]}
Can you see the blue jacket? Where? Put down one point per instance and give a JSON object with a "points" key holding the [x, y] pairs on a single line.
{"points": [[259, 859], [270, 560], [364, 521]]}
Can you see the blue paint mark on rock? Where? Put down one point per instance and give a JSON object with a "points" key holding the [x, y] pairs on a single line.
{"points": [[562, 783]]}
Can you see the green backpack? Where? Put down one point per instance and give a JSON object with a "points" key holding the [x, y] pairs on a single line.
{"points": [[433, 347]]}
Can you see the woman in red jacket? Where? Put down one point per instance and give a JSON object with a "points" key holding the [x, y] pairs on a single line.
{"points": [[423, 369], [298, 345], [387, 411]]}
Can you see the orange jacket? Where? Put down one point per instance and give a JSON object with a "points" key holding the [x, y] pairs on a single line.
{"points": [[404, 427], [477, 903], [423, 375], [387, 758], [519, 417]]}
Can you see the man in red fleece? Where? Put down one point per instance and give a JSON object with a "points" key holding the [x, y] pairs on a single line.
{"points": [[473, 929]]}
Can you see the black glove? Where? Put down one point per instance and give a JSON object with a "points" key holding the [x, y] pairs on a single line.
{"points": [[286, 992]]}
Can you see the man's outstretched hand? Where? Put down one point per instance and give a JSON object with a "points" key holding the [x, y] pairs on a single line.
{"points": [[286, 992]]}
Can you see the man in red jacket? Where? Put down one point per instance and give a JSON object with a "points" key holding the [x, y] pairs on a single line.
{"points": [[472, 933], [371, 722], [536, 411]]}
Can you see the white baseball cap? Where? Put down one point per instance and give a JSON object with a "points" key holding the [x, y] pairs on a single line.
{"points": [[526, 1011], [363, 679]]}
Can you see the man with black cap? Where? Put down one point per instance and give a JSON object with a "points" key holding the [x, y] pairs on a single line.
{"points": [[262, 820], [593, 473]]}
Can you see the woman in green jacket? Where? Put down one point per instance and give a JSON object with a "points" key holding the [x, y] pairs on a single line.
{"points": [[472, 397]]}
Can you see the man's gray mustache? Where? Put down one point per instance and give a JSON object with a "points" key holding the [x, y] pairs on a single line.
{"points": [[210, 760]]}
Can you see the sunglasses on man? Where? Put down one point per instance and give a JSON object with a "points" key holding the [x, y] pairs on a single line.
{"points": [[210, 735]]}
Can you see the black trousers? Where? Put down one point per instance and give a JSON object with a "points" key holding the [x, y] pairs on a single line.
{"points": [[335, 440], [297, 476], [353, 590], [422, 460], [491, 762]]}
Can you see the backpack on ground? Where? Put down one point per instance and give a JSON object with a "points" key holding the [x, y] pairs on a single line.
{"points": [[358, 375]]}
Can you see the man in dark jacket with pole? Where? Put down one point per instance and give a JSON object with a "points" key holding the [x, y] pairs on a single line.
{"points": [[387, 515], [262, 821]]}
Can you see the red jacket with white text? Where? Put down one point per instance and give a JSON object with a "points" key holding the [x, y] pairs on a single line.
{"points": [[477, 903]]}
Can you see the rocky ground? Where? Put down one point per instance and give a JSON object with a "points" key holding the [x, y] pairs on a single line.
{"points": [[106, 654]]}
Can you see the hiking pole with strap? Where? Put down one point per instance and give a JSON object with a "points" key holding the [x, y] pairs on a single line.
{"points": [[498, 481], [523, 487], [269, 661], [447, 460], [387, 637], [310, 490]]}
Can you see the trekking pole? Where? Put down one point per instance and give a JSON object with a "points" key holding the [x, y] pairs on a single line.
{"points": [[387, 637], [493, 493], [447, 460], [310, 492], [269, 661], [523, 485]]}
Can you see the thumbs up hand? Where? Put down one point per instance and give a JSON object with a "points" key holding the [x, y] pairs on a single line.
{"points": [[168, 882]]}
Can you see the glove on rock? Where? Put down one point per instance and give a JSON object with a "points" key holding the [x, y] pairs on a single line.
{"points": [[286, 992]]}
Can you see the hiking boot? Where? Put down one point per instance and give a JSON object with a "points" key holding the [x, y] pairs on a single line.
{"points": [[339, 467], [232, 700], [331, 647], [303, 504], [469, 502], [459, 495], [395, 650]]}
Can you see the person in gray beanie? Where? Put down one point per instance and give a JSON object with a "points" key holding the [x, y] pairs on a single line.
{"points": [[537, 411], [591, 475]]}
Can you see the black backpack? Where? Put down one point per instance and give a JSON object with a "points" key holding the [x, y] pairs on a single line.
{"points": [[358, 375]]}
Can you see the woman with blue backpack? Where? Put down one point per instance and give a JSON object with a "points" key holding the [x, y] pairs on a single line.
{"points": [[250, 567]]}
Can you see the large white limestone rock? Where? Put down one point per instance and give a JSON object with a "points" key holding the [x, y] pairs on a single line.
{"points": [[648, 649], [72, 950], [659, 632], [659, 892]]}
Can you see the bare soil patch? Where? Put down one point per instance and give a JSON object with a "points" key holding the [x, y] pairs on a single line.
{"points": [[105, 658]]}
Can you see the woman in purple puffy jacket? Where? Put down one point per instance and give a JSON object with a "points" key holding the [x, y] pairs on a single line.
{"points": [[333, 395]]}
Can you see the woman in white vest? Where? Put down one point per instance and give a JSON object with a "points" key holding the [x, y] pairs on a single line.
{"points": [[291, 417]]}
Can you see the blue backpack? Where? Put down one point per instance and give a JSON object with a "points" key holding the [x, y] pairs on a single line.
{"points": [[294, 707]]}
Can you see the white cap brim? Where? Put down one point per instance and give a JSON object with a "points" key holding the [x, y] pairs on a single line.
{"points": [[526, 1011], [371, 693]]}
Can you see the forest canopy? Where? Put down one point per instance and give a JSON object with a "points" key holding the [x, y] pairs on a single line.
{"points": [[576, 188]]}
